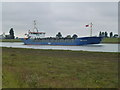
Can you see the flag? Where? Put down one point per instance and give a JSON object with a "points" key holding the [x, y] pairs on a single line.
{"points": [[87, 25]]}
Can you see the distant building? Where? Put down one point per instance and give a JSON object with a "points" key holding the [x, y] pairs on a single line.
{"points": [[2, 36], [8, 36]]}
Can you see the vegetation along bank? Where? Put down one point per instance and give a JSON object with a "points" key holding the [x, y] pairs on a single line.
{"points": [[30, 68]]}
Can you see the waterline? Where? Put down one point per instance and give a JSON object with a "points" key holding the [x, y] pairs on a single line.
{"points": [[92, 47]]}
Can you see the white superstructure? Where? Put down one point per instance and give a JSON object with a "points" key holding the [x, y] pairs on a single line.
{"points": [[35, 33]]}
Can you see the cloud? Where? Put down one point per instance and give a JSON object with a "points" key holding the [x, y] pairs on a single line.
{"points": [[66, 17]]}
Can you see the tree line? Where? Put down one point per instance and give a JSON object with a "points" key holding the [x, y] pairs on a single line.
{"points": [[11, 34], [106, 34], [59, 35]]}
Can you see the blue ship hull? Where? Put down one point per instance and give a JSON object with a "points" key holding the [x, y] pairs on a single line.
{"points": [[77, 41]]}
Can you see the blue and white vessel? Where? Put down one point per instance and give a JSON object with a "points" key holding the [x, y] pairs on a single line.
{"points": [[38, 38]]}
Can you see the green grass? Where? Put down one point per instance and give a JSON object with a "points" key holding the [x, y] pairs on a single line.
{"points": [[111, 40], [10, 40], [30, 68]]}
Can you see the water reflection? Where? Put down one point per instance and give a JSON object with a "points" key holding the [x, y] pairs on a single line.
{"points": [[95, 45]]}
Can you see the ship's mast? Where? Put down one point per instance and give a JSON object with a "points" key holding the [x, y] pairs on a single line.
{"points": [[91, 29], [35, 26]]}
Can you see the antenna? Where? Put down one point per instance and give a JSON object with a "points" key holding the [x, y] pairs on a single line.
{"points": [[35, 25]]}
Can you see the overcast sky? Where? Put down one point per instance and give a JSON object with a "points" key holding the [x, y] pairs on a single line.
{"points": [[65, 17]]}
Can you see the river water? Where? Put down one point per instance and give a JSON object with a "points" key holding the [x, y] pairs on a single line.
{"points": [[94, 47]]}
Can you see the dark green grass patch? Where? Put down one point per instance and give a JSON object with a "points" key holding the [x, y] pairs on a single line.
{"points": [[10, 40], [111, 40], [30, 68]]}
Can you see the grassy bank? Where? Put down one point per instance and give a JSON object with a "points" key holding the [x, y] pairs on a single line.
{"points": [[10, 40], [30, 68], [111, 40]]}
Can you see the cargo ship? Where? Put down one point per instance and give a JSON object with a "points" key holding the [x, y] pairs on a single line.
{"points": [[38, 38]]}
